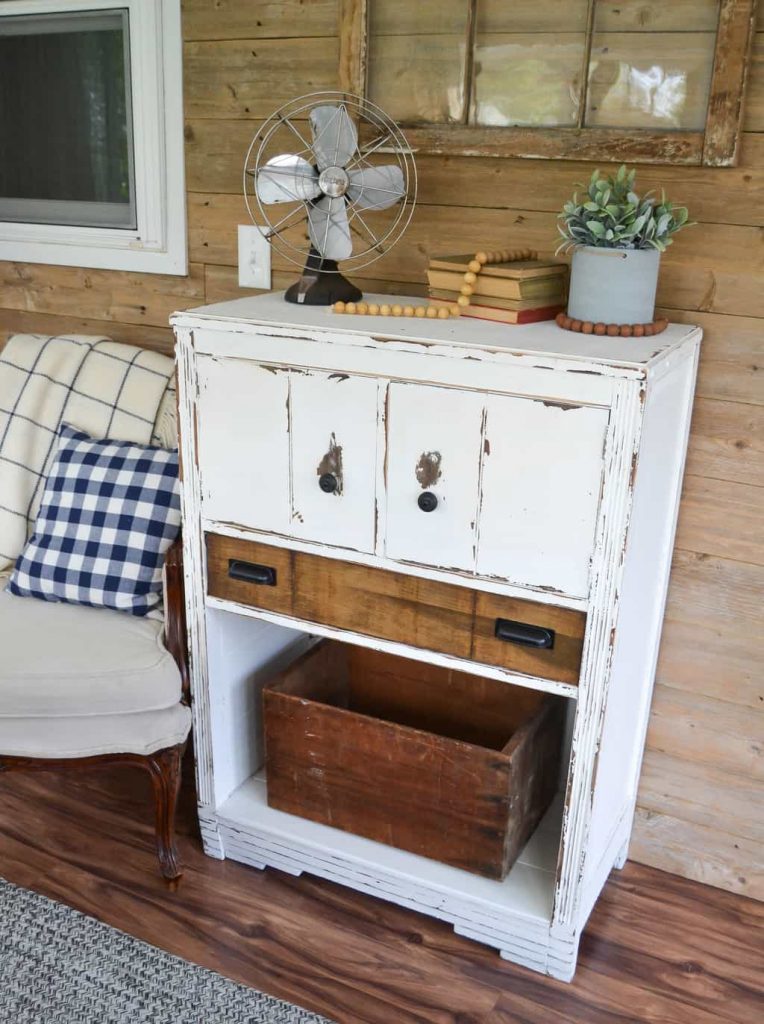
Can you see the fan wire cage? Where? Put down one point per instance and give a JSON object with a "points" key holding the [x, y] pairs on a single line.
{"points": [[373, 227]]}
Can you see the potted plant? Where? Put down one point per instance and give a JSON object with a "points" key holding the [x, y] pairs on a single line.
{"points": [[617, 239]]}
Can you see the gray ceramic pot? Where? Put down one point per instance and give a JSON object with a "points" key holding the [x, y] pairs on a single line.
{"points": [[613, 286]]}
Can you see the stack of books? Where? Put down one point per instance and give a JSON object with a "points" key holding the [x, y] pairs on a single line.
{"points": [[521, 292]]}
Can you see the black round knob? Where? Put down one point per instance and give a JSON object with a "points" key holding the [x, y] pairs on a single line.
{"points": [[427, 501], [328, 483]]}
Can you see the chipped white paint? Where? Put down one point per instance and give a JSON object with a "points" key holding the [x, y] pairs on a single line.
{"points": [[552, 508], [433, 445], [333, 430], [542, 462], [245, 469], [465, 578]]}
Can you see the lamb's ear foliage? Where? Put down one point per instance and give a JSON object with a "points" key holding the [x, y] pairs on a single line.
{"points": [[612, 216]]}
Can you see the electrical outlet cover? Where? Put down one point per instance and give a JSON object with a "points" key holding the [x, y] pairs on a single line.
{"points": [[254, 257]]}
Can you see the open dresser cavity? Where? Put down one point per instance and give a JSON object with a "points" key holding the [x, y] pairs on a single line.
{"points": [[497, 503]]}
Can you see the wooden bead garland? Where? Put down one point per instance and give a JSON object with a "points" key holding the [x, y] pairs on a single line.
{"points": [[474, 267], [483, 259], [372, 309], [612, 330]]}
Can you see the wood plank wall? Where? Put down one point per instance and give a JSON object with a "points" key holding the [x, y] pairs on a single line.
{"points": [[701, 804]]}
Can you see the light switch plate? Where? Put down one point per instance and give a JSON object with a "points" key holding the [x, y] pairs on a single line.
{"points": [[254, 257]]}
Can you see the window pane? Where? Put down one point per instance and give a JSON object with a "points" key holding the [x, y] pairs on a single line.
{"points": [[65, 119], [528, 79], [528, 62], [416, 59], [651, 64]]}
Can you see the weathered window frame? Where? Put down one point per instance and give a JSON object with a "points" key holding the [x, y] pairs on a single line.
{"points": [[716, 145]]}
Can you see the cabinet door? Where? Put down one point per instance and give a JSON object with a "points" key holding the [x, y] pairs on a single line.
{"points": [[243, 440], [433, 450], [334, 455], [542, 473]]}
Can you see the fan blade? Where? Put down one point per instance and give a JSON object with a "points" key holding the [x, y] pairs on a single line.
{"points": [[376, 188], [335, 139], [286, 179], [329, 228]]}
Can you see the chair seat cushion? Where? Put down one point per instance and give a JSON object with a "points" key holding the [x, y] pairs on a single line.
{"points": [[71, 660], [141, 733]]}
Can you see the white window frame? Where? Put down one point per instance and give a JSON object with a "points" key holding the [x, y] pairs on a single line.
{"points": [[158, 244]]}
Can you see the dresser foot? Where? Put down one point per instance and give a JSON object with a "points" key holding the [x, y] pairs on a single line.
{"points": [[623, 854]]}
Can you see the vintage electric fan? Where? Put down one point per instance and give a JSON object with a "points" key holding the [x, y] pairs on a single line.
{"points": [[350, 173]]}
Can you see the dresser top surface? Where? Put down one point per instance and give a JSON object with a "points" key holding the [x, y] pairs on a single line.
{"points": [[540, 339]]}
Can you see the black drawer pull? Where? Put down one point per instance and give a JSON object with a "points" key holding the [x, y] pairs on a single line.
{"points": [[522, 633], [328, 483], [427, 501], [263, 575]]}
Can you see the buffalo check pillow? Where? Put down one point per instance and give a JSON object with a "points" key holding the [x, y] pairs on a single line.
{"points": [[109, 512]]}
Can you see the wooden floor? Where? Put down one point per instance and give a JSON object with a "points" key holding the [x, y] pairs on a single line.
{"points": [[657, 949]]}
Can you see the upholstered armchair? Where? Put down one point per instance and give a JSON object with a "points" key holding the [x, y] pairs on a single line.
{"points": [[88, 687], [84, 688]]}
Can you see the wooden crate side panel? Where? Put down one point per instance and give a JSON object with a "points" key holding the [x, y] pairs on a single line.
{"points": [[471, 708], [536, 758], [404, 753], [406, 788]]}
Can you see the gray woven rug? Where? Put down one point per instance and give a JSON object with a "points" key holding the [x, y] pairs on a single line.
{"points": [[58, 966]]}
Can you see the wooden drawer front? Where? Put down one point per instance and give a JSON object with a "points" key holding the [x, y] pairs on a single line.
{"points": [[542, 472], [561, 662], [376, 602], [333, 437], [243, 439], [433, 451]]}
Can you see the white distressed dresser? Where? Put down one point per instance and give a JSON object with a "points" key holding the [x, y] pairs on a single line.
{"points": [[526, 470]]}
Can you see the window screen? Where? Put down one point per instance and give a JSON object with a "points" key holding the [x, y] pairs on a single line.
{"points": [[66, 120]]}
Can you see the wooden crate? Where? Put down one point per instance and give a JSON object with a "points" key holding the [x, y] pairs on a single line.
{"points": [[447, 765]]}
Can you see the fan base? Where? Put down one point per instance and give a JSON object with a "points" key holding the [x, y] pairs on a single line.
{"points": [[322, 284]]}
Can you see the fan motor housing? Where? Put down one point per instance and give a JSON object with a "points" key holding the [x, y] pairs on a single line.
{"points": [[333, 181]]}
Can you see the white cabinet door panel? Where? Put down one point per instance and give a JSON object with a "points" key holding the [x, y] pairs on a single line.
{"points": [[334, 436], [542, 473], [243, 438], [434, 445]]}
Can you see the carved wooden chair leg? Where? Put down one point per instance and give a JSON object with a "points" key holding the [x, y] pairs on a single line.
{"points": [[165, 769]]}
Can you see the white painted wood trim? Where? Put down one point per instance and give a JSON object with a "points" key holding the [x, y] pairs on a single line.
{"points": [[490, 586], [607, 568], [461, 338], [194, 566], [512, 916], [662, 545], [402, 650], [453, 366]]}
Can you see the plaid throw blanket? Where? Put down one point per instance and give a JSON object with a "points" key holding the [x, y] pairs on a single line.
{"points": [[104, 388]]}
